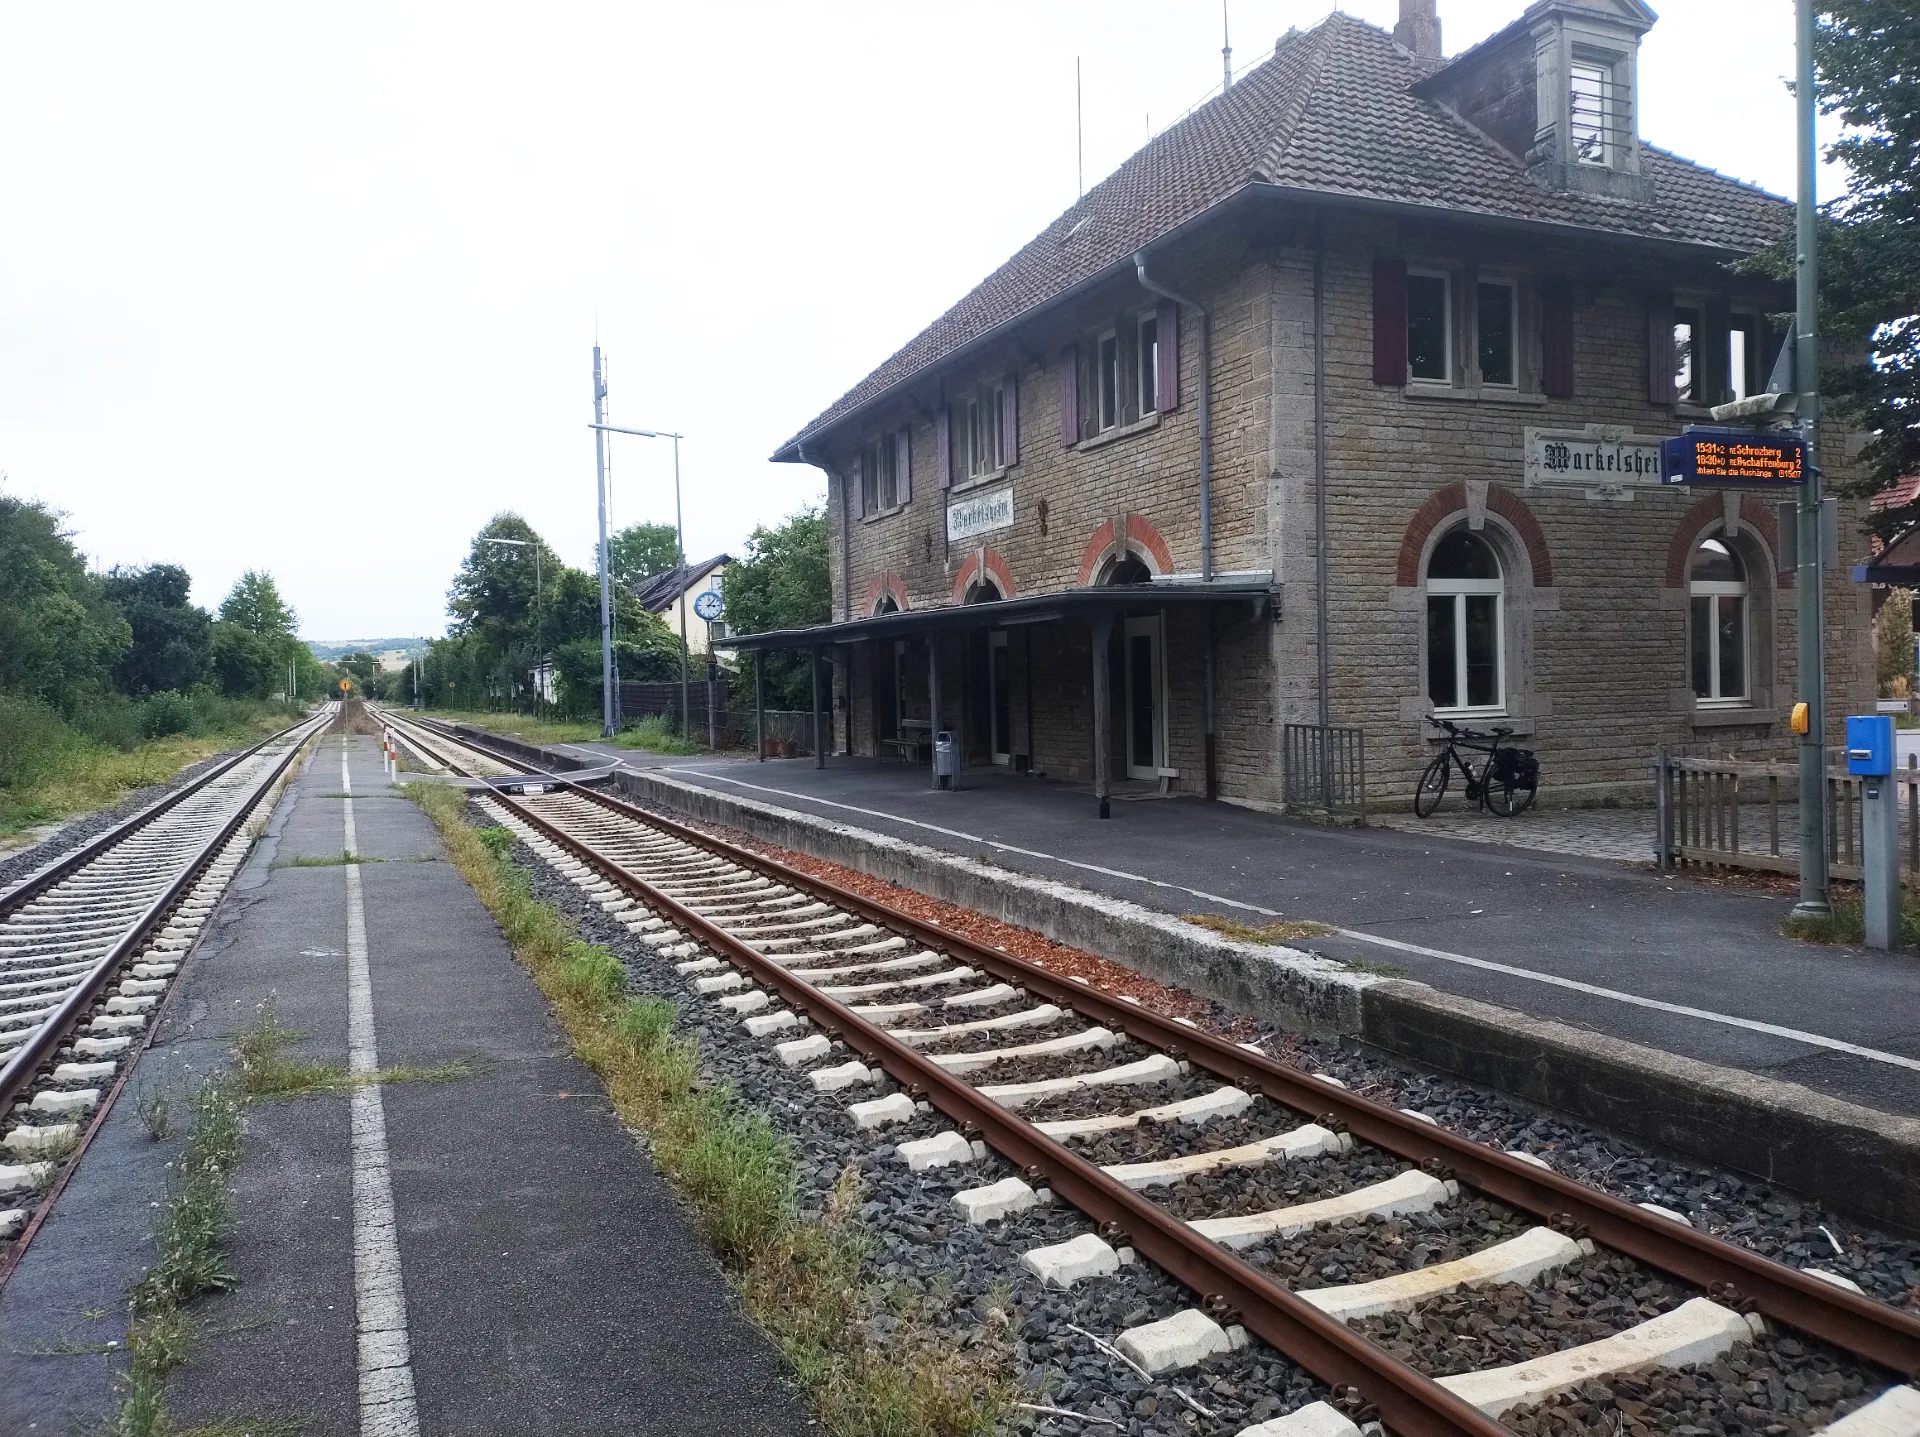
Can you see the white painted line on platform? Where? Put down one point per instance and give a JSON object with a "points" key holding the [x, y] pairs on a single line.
{"points": [[979, 838], [387, 1407], [1705, 1015], [1797, 1035]]}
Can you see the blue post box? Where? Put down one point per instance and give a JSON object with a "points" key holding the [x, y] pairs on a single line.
{"points": [[1870, 745], [1870, 756]]}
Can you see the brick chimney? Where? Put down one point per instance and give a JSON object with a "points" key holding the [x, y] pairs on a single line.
{"points": [[1419, 28]]}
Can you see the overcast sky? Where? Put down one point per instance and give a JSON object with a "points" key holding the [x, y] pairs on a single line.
{"points": [[315, 289]]}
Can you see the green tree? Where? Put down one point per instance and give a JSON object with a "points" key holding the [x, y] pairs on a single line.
{"points": [[640, 551], [59, 637], [1868, 56], [255, 605], [253, 641], [172, 646], [783, 583]]}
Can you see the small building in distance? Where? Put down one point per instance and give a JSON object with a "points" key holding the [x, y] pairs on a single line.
{"points": [[673, 594]]}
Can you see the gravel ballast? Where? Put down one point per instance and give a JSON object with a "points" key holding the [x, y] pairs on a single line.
{"points": [[969, 1279]]}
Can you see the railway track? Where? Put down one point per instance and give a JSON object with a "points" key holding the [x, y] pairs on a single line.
{"points": [[1193, 1152], [88, 947]]}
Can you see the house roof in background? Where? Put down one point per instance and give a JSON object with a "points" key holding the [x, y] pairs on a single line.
{"points": [[659, 593], [1331, 114]]}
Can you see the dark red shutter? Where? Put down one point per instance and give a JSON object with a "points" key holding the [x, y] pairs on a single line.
{"points": [[1556, 347], [1070, 396], [903, 462], [859, 485], [1010, 419], [1390, 321], [943, 445], [1660, 362], [1166, 338], [1712, 356]]}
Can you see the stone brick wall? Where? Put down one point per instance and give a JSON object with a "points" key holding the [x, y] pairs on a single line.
{"points": [[1595, 601]]}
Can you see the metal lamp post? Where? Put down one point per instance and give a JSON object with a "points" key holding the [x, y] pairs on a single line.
{"points": [[679, 540], [1815, 900], [539, 614]]}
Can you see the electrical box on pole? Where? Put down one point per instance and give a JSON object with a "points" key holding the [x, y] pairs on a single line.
{"points": [[1870, 758]]}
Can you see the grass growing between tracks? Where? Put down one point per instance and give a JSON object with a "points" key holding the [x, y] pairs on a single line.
{"points": [[650, 735], [802, 1278]]}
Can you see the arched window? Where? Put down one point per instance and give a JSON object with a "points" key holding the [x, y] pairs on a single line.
{"points": [[1717, 626], [983, 591], [1466, 628], [1127, 568], [886, 606]]}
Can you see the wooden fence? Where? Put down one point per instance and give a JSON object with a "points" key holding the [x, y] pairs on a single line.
{"points": [[1747, 815]]}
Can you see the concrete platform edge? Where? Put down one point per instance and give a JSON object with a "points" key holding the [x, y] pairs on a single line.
{"points": [[1855, 1159]]}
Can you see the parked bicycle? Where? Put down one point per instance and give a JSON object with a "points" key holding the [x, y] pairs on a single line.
{"points": [[1505, 785]]}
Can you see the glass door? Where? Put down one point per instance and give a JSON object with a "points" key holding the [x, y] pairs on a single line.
{"points": [[1146, 747], [999, 697]]}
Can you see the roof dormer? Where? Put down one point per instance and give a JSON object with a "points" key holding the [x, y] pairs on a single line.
{"points": [[1559, 88]]}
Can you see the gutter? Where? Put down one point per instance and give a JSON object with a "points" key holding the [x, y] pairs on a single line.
{"points": [[846, 527]]}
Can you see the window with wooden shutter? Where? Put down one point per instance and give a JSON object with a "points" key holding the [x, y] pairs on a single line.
{"points": [[943, 445], [1070, 396], [1010, 420], [1166, 360], [1556, 338], [1661, 360], [903, 464], [1390, 321]]}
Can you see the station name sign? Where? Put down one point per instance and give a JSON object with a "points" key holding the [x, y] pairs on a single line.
{"points": [[980, 514], [1734, 458], [1599, 461]]}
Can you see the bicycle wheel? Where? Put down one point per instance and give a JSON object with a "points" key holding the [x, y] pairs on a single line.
{"points": [[1505, 798], [1432, 787]]}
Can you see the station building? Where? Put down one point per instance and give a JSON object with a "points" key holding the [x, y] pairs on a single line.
{"points": [[1337, 405]]}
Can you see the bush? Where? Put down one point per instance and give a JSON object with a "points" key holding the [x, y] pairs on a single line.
{"points": [[110, 719], [33, 741], [170, 713]]}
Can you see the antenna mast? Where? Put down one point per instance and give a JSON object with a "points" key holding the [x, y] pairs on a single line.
{"points": [[1079, 134], [1226, 52]]}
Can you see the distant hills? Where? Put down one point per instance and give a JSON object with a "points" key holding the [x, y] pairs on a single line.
{"points": [[329, 650]]}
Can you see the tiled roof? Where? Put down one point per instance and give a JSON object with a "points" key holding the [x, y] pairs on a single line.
{"points": [[658, 593], [1330, 112]]}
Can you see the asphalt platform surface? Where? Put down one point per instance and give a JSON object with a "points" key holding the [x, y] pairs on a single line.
{"points": [[1623, 928], [553, 1283]]}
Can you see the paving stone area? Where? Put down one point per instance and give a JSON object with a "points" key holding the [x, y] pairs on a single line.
{"points": [[1623, 834]]}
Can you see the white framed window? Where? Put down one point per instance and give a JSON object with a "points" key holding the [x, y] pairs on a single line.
{"points": [[1466, 627], [1497, 332], [1717, 626], [1147, 364], [1106, 382], [1746, 374], [880, 473], [984, 444], [1430, 325], [1688, 333], [1591, 113]]}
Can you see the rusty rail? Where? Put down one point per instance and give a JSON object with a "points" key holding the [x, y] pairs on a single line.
{"points": [[1732, 1274]]}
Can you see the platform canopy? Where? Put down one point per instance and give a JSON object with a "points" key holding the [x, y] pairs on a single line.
{"points": [[1252, 591]]}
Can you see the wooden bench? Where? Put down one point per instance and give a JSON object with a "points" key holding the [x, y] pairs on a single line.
{"points": [[907, 750]]}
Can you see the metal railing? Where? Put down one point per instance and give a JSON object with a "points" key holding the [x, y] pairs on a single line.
{"points": [[1324, 767], [1747, 815]]}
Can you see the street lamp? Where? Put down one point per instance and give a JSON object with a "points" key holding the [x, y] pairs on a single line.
{"points": [[679, 544], [539, 631]]}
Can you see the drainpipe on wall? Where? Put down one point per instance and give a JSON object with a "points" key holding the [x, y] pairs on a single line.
{"points": [[1148, 283], [846, 530], [1323, 639]]}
